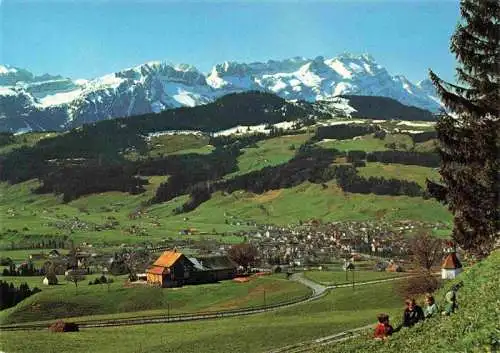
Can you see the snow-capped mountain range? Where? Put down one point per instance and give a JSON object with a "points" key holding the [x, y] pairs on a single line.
{"points": [[29, 102]]}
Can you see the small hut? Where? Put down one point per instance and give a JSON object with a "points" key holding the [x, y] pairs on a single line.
{"points": [[451, 265], [50, 280]]}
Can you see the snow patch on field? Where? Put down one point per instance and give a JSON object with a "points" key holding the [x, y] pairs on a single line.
{"points": [[422, 124], [243, 129], [413, 131], [174, 132], [340, 122], [286, 125]]}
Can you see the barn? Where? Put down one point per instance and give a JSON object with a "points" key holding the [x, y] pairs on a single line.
{"points": [[171, 269], [213, 269]]}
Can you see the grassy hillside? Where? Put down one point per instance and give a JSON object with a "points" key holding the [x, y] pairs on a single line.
{"points": [[29, 216], [341, 309], [26, 216], [269, 152], [473, 328], [27, 140], [399, 171], [64, 300]]}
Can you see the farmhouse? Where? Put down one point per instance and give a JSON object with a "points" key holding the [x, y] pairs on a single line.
{"points": [[173, 269]]}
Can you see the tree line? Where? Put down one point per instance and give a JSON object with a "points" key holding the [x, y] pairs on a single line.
{"points": [[11, 295], [344, 131]]}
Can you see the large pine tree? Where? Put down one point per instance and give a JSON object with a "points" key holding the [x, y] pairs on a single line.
{"points": [[469, 131]]}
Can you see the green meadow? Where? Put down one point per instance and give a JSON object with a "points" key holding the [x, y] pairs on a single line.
{"points": [[339, 310], [118, 300]]}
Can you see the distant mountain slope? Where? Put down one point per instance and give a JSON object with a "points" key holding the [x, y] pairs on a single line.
{"points": [[111, 137], [384, 108], [38, 103]]}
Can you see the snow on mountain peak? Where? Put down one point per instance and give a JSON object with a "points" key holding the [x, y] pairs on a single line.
{"points": [[5, 69], [159, 85]]}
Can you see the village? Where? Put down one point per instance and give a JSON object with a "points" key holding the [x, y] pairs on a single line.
{"points": [[311, 245]]}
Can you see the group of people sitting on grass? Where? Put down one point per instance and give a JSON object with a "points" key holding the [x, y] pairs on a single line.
{"points": [[414, 313]]}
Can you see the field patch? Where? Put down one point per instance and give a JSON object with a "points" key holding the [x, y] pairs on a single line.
{"points": [[414, 173], [269, 152]]}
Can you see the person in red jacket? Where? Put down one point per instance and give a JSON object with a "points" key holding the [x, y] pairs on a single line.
{"points": [[383, 328]]}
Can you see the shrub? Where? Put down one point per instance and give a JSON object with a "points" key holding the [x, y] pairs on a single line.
{"points": [[359, 164], [380, 134], [418, 285], [5, 261], [61, 326]]}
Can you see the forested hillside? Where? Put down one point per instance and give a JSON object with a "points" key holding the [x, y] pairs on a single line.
{"points": [[183, 167]]}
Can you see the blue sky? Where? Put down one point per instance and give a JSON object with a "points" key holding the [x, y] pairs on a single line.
{"points": [[84, 39]]}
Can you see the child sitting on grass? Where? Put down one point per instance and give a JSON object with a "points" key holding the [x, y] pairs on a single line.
{"points": [[451, 300], [431, 308], [383, 328]]}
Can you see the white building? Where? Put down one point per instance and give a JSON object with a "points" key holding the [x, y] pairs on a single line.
{"points": [[451, 266]]}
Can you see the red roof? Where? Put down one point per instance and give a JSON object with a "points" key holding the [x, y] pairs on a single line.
{"points": [[168, 258], [241, 279], [156, 270], [451, 262]]}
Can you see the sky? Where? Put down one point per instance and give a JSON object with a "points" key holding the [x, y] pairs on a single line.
{"points": [[86, 39]]}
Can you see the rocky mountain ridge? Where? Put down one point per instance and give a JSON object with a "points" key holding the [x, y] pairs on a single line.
{"points": [[47, 102]]}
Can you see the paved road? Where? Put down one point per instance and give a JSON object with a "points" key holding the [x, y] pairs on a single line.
{"points": [[317, 288]]}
